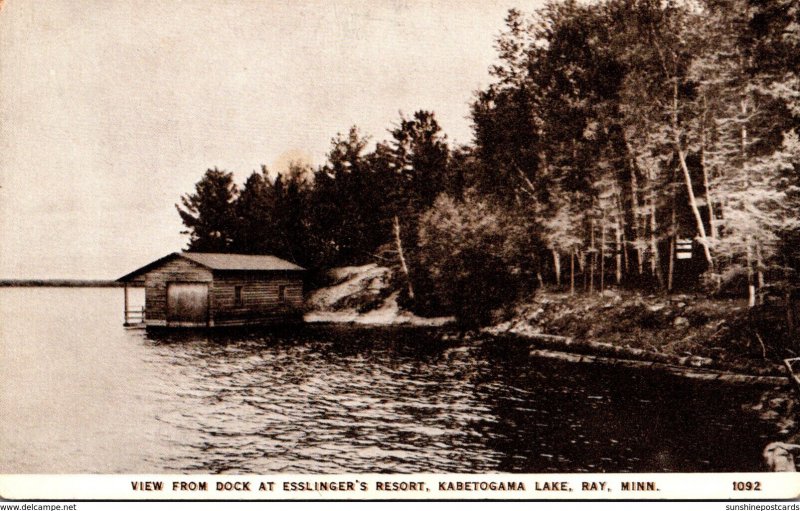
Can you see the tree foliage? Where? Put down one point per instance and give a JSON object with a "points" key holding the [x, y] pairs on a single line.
{"points": [[209, 212], [475, 255], [611, 134]]}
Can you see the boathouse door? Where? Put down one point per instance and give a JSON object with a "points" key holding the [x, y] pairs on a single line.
{"points": [[187, 304]]}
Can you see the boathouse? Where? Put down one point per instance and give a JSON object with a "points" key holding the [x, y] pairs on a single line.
{"points": [[187, 289]]}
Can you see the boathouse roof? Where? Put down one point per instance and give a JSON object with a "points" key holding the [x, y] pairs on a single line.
{"points": [[220, 262]]}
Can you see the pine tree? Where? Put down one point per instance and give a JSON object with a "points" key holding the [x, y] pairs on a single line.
{"points": [[209, 213]]}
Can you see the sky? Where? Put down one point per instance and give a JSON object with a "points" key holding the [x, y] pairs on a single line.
{"points": [[111, 110]]}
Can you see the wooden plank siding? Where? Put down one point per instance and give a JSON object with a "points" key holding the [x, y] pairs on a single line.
{"points": [[259, 292], [155, 295], [219, 289], [260, 297]]}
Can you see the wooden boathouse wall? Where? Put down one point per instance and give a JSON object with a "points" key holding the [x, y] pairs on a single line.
{"points": [[261, 297], [155, 287], [207, 290]]}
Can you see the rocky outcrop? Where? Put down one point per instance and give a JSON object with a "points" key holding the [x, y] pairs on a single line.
{"points": [[362, 295], [780, 457]]}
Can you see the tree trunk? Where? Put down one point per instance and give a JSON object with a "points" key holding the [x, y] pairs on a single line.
{"points": [[618, 240], [583, 271], [687, 176], [671, 270], [403, 265], [625, 258], [751, 287], [706, 179], [743, 104], [788, 301], [593, 258], [695, 210], [751, 290], [759, 272], [557, 266], [572, 272], [603, 253], [655, 260], [672, 235], [636, 215], [618, 255]]}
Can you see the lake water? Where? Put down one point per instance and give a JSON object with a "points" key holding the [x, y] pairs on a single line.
{"points": [[81, 394]]}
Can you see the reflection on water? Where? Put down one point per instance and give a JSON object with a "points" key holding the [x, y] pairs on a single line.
{"points": [[85, 395]]}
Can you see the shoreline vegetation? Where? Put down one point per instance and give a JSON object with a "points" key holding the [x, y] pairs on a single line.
{"points": [[59, 283], [637, 149], [691, 331], [690, 336], [631, 196]]}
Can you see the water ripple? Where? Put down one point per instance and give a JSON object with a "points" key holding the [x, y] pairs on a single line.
{"points": [[328, 400]]}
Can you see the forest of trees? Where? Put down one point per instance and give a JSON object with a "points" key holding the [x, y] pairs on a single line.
{"points": [[610, 132]]}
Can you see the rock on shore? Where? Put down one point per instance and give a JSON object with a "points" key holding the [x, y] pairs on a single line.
{"points": [[362, 295]]}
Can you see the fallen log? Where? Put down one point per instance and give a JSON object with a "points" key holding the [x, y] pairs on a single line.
{"points": [[567, 344], [686, 372]]}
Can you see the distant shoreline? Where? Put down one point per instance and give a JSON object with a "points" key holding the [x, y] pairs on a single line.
{"points": [[58, 283]]}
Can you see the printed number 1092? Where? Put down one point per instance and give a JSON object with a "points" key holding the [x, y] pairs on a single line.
{"points": [[747, 486]]}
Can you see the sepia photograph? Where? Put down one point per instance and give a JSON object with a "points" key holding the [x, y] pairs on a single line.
{"points": [[529, 249]]}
